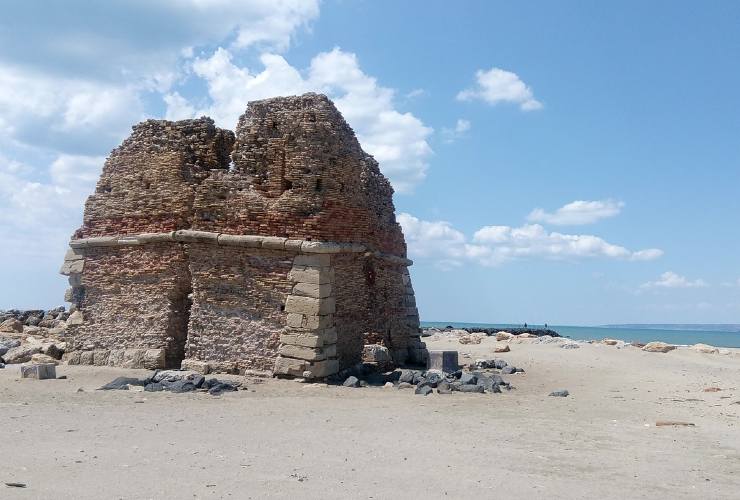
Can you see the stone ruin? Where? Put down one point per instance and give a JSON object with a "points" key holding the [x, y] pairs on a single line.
{"points": [[275, 248]]}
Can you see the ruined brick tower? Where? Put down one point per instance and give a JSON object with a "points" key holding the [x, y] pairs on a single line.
{"points": [[275, 248]]}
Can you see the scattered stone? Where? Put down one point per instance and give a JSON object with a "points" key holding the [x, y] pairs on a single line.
{"points": [[444, 388], [2, 365], [7, 344], [407, 376], [39, 371], [483, 364], [43, 359], [705, 348], [712, 389], [424, 390], [378, 355], [610, 341], [21, 354], [562, 393], [16, 485], [52, 350], [504, 348], [470, 339], [11, 325], [468, 378], [122, 383], [658, 347], [457, 386], [500, 364], [197, 366], [508, 370], [500, 336], [351, 381], [669, 423], [388, 385], [570, 345], [404, 385]]}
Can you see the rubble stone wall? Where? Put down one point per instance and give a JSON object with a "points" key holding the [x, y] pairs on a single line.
{"points": [[273, 248]]}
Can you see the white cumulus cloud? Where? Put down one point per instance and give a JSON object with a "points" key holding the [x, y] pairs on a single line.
{"points": [[497, 85], [577, 213], [670, 279], [495, 245], [396, 139]]}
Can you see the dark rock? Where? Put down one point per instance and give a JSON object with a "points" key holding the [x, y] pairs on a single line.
{"points": [[62, 377], [179, 386], [52, 350], [562, 393], [444, 387], [2, 365], [508, 370], [495, 388], [407, 376], [122, 383], [33, 321], [457, 386], [499, 364], [418, 377], [432, 378], [351, 382], [468, 378], [424, 390], [392, 377], [154, 387]]}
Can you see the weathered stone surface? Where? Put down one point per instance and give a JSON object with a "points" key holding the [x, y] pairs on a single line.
{"points": [[21, 354], [705, 348], [443, 360], [11, 325], [658, 347], [39, 371], [43, 359]]}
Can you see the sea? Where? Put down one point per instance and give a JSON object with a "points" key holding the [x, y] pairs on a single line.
{"points": [[716, 335]]}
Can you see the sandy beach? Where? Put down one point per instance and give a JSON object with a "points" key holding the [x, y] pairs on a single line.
{"points": [[285, 439]]}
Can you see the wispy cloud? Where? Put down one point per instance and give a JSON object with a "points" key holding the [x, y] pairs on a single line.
{"points": [[500, 86], [577, 213], [461, 127], [670, 279]]}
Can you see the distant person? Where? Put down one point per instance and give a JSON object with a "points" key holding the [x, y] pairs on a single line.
{"points": [[525, 325]]}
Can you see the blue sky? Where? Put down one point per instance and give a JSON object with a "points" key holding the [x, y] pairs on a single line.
{"points": [[569, 162]]}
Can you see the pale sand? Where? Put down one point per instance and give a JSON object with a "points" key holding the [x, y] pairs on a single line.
{"points": [[283, 439]]}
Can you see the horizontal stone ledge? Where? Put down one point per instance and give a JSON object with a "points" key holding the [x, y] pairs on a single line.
{"points": [[240, 240]]}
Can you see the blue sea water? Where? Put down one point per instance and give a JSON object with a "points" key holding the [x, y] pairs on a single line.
{"points": [[644, 334]]}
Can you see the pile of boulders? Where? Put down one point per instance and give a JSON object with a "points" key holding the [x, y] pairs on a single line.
{"points": [[34, 336], [176, 381], [484, 376], [53, 318]]}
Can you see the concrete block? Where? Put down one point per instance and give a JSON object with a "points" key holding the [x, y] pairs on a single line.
{"points": [[321, 247], [295, 320], [314, 260], [319, 322], [309, 305], [274, 243], [308, 340], [293, 245], [289, 366], [238, 240], [302, 305], [312, 290], [307, 353], [306, 274], [322, 369], [441, 360], [40, 371], [196, 366]]}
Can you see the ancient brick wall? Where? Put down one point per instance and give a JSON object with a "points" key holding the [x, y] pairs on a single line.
{"points": [[238, 305], [272, 248]]}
